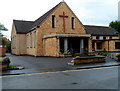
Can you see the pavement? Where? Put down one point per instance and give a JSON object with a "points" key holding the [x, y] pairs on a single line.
{"points": [[33, 64]]}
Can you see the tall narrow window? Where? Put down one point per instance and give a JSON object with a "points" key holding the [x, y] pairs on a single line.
{"points": [[27, 41], [53, 21], [30, 40], [73, 22]]}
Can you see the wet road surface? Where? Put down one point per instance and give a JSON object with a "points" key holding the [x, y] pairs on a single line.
{"points": [[99, 78]]}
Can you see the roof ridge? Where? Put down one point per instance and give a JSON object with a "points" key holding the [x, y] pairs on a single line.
{"points": [[96, 26], [22, 20]]}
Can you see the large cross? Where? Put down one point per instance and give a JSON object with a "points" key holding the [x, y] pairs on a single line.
{"points": [[63, 16]]}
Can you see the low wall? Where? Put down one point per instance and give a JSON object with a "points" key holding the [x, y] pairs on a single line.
{"points": [[88, 60]]}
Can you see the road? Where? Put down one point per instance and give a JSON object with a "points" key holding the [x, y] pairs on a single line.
{"points": [[98, 78]]}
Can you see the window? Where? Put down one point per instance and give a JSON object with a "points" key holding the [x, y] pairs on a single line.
{"points": [[31, 40], [73, 22], [104, 38], [34, 39], [53, 21], [97, 37], [110, 37], [117, 45], [27, 41], [93, 45], [99, 45]]}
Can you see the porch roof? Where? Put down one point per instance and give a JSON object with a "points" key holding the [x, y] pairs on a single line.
{"points": [[66, 35]]}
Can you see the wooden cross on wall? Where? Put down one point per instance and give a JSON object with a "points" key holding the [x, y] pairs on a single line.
{"points": [[63, 16]]}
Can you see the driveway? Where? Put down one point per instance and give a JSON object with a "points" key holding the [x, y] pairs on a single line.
{"points": [[33, 64]]}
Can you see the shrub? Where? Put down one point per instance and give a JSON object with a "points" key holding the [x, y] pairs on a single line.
{"points": [[77, 57], [66, 53], [5, 61], [104, 53], [117, 54]]}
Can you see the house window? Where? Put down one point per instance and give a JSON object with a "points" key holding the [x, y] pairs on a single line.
{"points": [[93, 45], [27, 41], [99, 45], [30, 40], [117, 45], [110, 37], [53, 21], [104, 38], [34, 39], [97, 37], [73, 22]]}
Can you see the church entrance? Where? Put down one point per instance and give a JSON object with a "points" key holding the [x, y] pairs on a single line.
{"points": [[73, 45]]}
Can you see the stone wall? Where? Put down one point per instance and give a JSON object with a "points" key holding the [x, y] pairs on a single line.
{"points": [[89, 45], [51, 46], [46, 26], [14, 41]]}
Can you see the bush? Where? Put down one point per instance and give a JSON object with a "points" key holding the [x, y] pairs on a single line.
{"points": [[117, 54], [5, 61], [104, 53], [66, 53], [77, 57]]}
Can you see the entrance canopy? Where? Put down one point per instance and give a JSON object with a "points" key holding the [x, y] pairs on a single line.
{"points": [[66, 35]]}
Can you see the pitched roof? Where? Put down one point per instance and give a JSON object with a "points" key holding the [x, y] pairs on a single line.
{"points": [[100, 30], [22, 26], [27, 26], [43, 17]]}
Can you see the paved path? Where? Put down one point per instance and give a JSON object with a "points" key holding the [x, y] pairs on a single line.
{"points": [[33, 64], [102, 78]]}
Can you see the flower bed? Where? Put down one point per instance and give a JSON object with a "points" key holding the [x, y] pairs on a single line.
{"points": [[65, 54], [88, 59], [91, 53], [103, 53], [4, 63], [118, 56]]}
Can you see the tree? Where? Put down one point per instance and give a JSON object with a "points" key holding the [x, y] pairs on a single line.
{"points": [[3, 28], [115, 25]]}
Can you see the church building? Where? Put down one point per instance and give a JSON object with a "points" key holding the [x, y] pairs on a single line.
{"points": [[60, 31]]}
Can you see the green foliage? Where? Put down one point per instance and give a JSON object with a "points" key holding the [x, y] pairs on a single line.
{"points": [[3, 42], [5, 61], [115, 25], [8, 46], [2, 27], [118, 54], [66, 53], [12, 67], [60, 53], [92, 53], [77, 57], [104, 53]]}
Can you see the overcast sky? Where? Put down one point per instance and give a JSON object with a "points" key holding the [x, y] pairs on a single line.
{"points": [[90, 12]]}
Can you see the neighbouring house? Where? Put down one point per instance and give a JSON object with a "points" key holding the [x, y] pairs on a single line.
{"points": [[59, 30]]}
